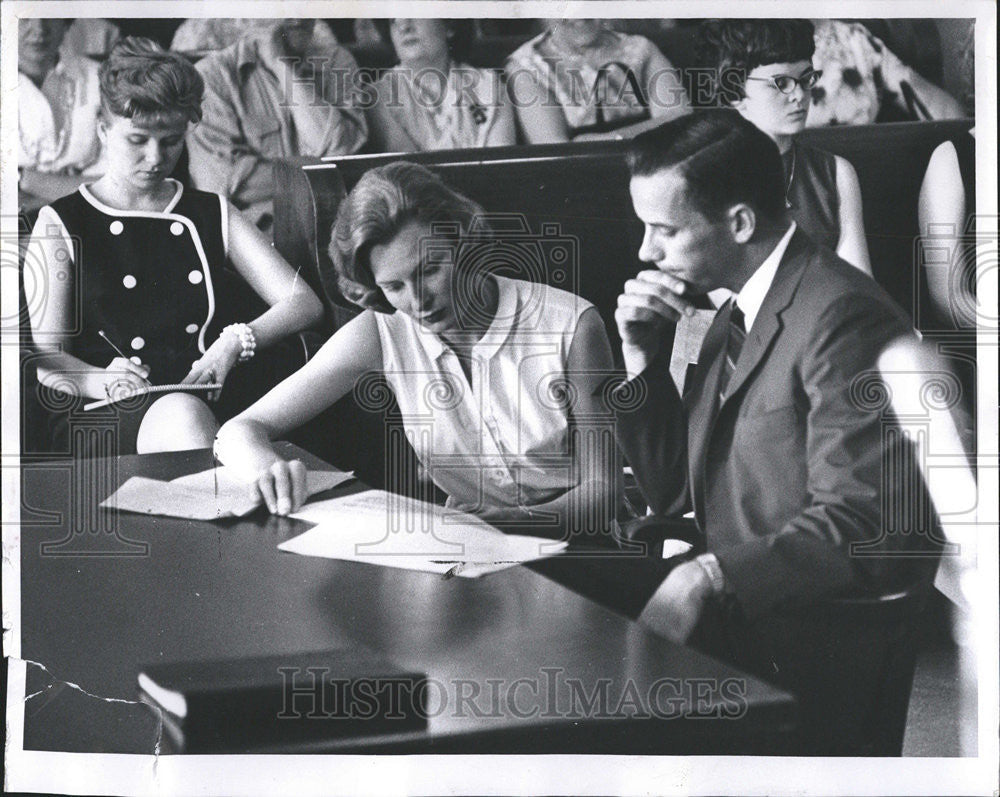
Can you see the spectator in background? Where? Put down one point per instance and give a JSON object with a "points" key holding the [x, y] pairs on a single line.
{"points": [[432, 99], [90, 37], [580, 79], [198, 34], [764, 69], [861, 74], [58, 103], [267, 99]]}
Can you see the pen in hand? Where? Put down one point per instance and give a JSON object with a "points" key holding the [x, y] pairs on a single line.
{"points": [[124, 356], [112, 344]]}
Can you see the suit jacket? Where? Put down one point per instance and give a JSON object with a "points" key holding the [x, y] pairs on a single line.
{"points": [[787, 473]]}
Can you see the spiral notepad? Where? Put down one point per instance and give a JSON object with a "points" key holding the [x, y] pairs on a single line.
{"points": [[151, 389]]}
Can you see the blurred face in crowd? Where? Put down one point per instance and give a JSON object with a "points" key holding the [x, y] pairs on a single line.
{"points": [[417, 277], [420, 42], [142, 153], [38, 43], [577, 34], [678, 239], [773, 111], [295, 35]]}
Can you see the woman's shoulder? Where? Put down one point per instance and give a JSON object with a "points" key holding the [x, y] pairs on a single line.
{"points": [[557, 305], [529, 54], [807, 156]]}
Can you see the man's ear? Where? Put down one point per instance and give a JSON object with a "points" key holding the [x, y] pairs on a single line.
{"points": [[742, 222]]}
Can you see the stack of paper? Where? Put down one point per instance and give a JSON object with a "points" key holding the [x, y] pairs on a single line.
{"points": [[208, 495], [381, 528]]}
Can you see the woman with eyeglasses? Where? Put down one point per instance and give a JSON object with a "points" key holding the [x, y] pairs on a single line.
{"points": [[763, 69]]}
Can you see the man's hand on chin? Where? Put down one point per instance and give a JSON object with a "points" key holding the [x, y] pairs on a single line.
{"points": [[676, 606]]}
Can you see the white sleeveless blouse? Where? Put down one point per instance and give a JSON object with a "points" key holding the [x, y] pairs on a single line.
{"points": [[503, 439]]}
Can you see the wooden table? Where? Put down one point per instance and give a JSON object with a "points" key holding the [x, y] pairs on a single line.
{"points": [[539, 668]]}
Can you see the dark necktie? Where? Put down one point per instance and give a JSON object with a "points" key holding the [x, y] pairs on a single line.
{"points": [[734, 345]]}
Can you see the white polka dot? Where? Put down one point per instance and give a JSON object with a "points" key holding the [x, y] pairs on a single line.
{"points": [[136, 360], [195, 277], [177, 228], [138, 343], [191, 328], [129, 281], [116, 227]]}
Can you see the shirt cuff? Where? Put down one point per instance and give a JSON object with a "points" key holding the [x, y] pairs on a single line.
{"points": [[710, 564]]}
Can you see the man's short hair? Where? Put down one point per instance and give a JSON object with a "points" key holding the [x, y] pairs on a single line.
{"points": [[733, 48], [724, 159], [142, 81]]}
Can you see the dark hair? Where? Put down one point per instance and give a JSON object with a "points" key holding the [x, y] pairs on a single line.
{"points": [[723, 158], [141, 80], [733, 48], [459, 45], [384, 201]]}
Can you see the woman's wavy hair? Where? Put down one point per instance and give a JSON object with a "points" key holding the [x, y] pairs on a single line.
{"points": [[384, 201], [463, 32], [142, 81], [733, 48]]}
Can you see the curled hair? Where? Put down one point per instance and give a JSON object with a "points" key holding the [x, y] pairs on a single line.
{"points": [[384, 201], [140, 80], [733, 48], [724, 159], [459, 44]]}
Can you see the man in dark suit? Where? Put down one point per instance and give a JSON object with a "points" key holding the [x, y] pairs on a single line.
{"points": [[771, 447]]}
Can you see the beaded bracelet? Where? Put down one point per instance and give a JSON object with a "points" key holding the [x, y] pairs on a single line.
{"points": [[248, 342]]}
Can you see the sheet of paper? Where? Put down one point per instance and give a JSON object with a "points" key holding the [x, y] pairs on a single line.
{"points": [[222, 480], [154, 497], [209, 495], [381, 528]]}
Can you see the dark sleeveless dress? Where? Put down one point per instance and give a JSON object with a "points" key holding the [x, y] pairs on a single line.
{"points": [[812, 193], [156, 284]]}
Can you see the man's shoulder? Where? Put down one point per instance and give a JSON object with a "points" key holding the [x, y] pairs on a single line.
{"points": [[831, 288], [226, 62]]}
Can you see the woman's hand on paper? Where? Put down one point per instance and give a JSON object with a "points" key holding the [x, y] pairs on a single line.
{"points": [[283, 486]]}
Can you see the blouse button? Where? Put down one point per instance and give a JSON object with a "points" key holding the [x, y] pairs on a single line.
{"points": [[116, 227], [191, 328], [138, 343], [129, 281], [195, 277], [177, 228]]}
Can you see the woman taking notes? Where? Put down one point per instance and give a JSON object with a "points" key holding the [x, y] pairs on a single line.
{"points": [[133, 264], [492, 375], [764, 70]]}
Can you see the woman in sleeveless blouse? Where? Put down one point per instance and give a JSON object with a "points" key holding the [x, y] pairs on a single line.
{"points": [[133, 264], [498, 380], [764, 70]]}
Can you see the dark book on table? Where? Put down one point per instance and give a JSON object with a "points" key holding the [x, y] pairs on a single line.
{"points": [[243, 703]]}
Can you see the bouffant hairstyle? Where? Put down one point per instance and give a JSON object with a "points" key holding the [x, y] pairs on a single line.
{"points": [[384, 201], [733, 48], [459, 44], [724, 159], [142, 81]]}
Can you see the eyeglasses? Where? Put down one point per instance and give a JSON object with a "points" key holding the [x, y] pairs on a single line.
{"points": [[786, 83]]}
